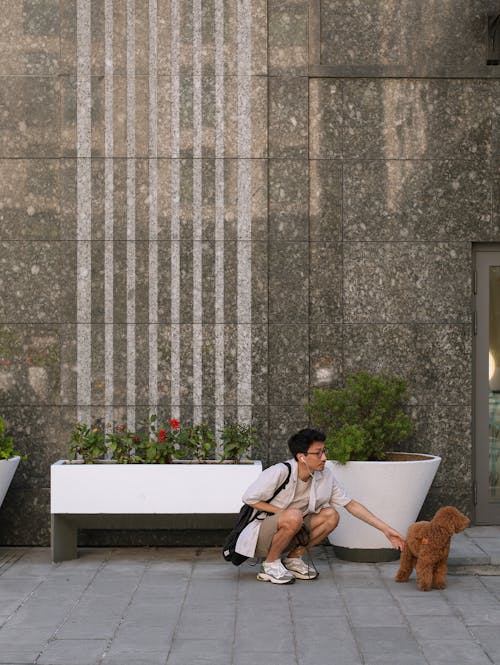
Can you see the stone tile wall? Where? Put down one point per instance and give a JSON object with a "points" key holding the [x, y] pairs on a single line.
{"points": [[206, 210]]}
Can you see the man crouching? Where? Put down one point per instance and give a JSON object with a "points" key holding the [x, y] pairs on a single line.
{"points": [[301, 515]]}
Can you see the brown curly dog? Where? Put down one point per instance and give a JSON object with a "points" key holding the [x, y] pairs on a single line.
{"points": [[428, 545]]}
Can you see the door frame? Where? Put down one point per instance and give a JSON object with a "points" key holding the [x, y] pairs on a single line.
{"points": [[480, 337]]}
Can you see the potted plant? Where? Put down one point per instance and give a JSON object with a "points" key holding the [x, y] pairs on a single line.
{"points": [[126, 479], [9, 460], [366, 425]]}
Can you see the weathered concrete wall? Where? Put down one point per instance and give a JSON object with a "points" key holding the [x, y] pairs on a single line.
{"points": [[209, 207]]}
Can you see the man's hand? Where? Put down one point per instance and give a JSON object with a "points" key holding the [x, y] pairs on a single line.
{"points": [[358, 510], [397, 540]]}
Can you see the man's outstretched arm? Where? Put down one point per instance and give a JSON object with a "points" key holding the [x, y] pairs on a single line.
{"points": [[361, 512]]}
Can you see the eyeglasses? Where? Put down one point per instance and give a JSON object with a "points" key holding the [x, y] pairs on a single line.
{"points": [[318, 453]]}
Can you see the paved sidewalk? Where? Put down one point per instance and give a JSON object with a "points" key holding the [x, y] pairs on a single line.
{"points": [[171, 606]]}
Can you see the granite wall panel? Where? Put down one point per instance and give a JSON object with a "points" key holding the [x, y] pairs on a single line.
{"points": [[354, 33], [325, 355], [418, 118], [29, 39], [325, 292], [325, 200], [288, 117], [435, 359], [404, 282], [288, 282], [231, 193], [288, 47], [326, 119], [288, 200], [30, 201], [405, 38], [418, 200]]}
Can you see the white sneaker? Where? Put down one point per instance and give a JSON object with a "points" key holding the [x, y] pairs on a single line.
{"points": [[300, 569], [275, 572]]}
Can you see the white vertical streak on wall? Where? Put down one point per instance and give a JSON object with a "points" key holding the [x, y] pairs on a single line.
{"points": [[108, 212], [174, 222], [153, 210], [244, 252], [219, 215], [84, 211], [131, 214], [197, 218]]}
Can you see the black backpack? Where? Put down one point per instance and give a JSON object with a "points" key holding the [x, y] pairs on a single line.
{"points": [[244, 518]]}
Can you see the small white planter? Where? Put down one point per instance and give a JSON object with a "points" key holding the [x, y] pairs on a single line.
{"points": [[393, 490], [142, 496], [7, 470], [149, 488]]}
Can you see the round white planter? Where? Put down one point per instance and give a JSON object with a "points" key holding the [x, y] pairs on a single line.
{"points": [[7, 470], [393, 490]]}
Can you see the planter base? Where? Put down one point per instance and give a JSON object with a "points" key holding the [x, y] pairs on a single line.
{"points": [[366, 555], [64, 531]]}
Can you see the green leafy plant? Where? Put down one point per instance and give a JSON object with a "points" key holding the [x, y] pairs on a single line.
{"points": [[197, 442], [7, 450], [122, 445], [236, 441], [88, 442], [363, 420], [159, 444]]}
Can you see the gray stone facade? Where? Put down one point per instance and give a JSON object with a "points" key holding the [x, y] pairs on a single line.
{"points": [[209, 207]]}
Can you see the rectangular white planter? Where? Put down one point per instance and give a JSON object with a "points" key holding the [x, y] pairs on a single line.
{"points": [[142, 496], [149, 488]]}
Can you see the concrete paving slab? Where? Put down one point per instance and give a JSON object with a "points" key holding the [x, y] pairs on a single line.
{"points": [[451, 652], [465, 551], [201, 652], [268, 657], [76, 652], [426, 604], [426, 628], [388, 645], [489, 639], [491, 547]]}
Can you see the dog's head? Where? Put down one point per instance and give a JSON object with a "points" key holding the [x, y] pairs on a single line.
{"points": [[451, 519]]}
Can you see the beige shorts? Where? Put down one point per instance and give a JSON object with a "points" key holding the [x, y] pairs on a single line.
{"points": [[267, 531]]}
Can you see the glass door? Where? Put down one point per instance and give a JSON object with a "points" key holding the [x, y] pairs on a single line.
{"points": [[487, 385]]}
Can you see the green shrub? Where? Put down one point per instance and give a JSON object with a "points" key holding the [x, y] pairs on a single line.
{"points": [[196, 442], [365, 419], [88, 442], [7, 450], [236, 441]]}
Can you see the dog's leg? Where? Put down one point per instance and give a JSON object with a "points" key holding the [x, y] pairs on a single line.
{"points": [[439, 575], [424, 573], [406, 565]]}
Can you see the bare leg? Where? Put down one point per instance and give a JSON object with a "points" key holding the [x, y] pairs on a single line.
{"points": [[322, 524], [289, 523]]}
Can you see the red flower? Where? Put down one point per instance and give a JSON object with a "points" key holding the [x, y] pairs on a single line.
{"points": [[136, 438], [174, 424], [162, 435]]}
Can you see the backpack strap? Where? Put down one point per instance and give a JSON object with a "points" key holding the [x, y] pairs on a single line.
{"points": [[284, 483], [277, 491]]}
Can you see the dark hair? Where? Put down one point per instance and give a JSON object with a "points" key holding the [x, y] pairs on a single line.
{"points": [[301, 440]]}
